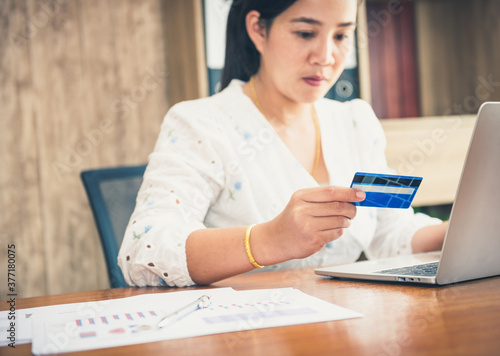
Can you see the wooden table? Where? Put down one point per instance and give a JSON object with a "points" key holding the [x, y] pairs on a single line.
{"points": [[400, 319]]}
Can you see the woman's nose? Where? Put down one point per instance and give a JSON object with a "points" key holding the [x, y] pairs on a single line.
{"points": [[324, 53]]}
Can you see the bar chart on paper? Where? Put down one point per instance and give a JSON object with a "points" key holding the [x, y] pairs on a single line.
{"points": [[116, 324], [254, 311], [128, 321]]}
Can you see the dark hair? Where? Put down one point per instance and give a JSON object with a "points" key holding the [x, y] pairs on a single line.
{"points": [[242, 59]]}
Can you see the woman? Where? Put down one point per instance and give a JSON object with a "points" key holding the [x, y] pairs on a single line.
{"points": [[257, 174]]}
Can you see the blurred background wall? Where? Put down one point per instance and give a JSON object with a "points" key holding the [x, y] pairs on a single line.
{"points": [[83, 84]]}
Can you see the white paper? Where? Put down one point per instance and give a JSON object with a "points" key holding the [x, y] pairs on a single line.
{"points": [[133, 320], [23, 317], [20, 331]]}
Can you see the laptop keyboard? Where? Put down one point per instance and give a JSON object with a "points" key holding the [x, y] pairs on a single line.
{"points": [[424, 270]]}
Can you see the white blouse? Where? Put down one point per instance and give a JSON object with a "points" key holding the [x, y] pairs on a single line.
{"points": [[219, 163]]}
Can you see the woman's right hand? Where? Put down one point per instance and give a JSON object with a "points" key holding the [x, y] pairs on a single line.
{"points": [[312, 218]]}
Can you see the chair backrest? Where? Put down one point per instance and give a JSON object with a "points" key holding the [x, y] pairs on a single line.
{"points": [[112, 195]]}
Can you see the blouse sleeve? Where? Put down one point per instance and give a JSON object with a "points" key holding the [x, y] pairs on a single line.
{"points": [[395, 227], [183, 178]]}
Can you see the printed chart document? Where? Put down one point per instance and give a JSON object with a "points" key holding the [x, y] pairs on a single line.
{"points": [[23, 318], [134, 320]]}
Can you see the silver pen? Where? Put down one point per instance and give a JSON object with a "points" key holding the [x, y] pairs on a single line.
{"points": [[200, 303]]}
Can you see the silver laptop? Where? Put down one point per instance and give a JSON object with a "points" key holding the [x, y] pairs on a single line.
{"points": [[471, 248]]}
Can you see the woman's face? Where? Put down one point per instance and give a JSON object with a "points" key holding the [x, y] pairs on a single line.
{"points": [[306, 47]]}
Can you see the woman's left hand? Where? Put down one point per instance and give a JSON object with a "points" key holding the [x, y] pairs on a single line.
{"points": [[429, 238]]}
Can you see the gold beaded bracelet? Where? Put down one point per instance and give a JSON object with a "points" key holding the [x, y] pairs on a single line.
{"points": [[247, 247]]}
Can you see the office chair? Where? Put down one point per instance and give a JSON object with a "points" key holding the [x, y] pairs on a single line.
{"points": [[112, 193]]}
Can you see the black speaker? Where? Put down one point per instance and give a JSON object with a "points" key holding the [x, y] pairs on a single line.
{"points": [[347, 86]]}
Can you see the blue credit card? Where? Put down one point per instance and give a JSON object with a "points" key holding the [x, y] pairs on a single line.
{"points": [[385, 190]]}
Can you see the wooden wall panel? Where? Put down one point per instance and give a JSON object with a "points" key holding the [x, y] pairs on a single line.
{"points": [[151, 86], [20, 204], [187, 60], [56, 73], [408, 70], [458, 52], [83, 84], [392, 59]]}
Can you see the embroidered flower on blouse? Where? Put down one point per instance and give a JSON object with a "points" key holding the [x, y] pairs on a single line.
{"points": [[172, 138], [246, 135], [146, 200], [237, 186], [138, 236]]}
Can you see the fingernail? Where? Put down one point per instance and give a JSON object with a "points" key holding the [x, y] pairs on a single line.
{"points": [[360, 194]]}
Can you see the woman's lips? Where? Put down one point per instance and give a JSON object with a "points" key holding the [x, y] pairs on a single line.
{"points": [[314, 81]]}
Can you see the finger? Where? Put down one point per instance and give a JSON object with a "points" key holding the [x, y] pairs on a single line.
{"points": [[331, 223], [330, 235], [332, 193], [332, 208]]}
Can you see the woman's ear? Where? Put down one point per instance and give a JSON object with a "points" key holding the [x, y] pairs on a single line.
{"points": [[255, 29]]}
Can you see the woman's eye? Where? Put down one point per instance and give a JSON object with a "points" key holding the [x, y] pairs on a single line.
{"points": [[341, 37], [305, 34]]}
